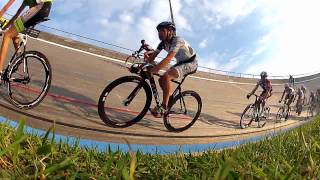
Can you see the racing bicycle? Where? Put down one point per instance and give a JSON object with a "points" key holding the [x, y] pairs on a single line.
{"points": [[28, 73], [127, 100], [251, 114]]}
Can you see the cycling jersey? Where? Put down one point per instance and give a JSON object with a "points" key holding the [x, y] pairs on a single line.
{"points": [[312, 97], [178, 45], [300, 94], [145, 47], [265, 85], [290, 90], [34, 2]]}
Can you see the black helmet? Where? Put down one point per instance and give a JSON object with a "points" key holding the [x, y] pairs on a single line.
{"points": [[264, 74], [166, 24]]}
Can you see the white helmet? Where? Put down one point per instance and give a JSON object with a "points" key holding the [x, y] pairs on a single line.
{"points": [[286, 85]]}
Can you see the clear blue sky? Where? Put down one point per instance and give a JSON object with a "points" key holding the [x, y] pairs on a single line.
{"points": [[281, 37]]}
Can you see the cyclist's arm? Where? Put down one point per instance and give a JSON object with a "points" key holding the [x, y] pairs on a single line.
{"points": [[254, 89], [141, 48], [150, 56], [165, 61], [6, 7], [15, 16], [282, 95]]}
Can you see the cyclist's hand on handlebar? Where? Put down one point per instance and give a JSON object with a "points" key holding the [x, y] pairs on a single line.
{"points": [[248, 96], [148, 55]]}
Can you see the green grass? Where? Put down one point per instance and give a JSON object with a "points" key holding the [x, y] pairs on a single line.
{"points": [[291, 155]]}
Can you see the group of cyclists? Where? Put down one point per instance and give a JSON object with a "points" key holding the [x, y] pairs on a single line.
{"points": [[291, 94], [176, 47]]}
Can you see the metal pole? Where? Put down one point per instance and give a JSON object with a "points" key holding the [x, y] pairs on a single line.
{"points": [[172, 20]]}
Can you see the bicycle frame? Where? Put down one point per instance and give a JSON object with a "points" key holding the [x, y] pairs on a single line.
{"points": [[23, 45], [143, 73]]}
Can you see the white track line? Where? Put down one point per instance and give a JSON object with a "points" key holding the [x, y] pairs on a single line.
{"points": [[119, 61]]}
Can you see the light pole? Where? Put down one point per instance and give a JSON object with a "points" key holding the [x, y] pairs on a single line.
{"points": [[172, 20]]}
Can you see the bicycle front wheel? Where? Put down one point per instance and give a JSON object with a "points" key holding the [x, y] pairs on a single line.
{"points": [[247, 116], [29, 80], [124, 102], [310, 112], [280, 114], [183, 111]]}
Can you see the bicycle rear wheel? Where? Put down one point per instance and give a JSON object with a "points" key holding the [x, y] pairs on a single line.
{"points": [[263, 120], [124, 102], [183, 111], [29, 80], [247, 116]]}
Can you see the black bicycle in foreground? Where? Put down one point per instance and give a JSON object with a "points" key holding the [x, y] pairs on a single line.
{"points": [[28, 73], [126, 100]]}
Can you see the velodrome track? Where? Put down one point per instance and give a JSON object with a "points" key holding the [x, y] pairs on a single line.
{"points": [[79, 78]]}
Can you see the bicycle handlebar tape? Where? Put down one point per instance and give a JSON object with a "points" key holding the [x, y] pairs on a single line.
{"points": [[3, 22]]}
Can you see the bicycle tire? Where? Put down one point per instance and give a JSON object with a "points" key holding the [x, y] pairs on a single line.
{"points": [[243, 124], [12, 81], [310, 112], [279, 114], [263, 120], [104, 95], [170, 111]]}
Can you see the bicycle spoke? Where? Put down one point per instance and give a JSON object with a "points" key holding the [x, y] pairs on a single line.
{"points": [[29, 84]]}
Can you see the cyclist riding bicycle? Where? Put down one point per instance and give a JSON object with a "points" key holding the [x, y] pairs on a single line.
{"points": [[37, 12], [304, 90], [318, 95], [289, 92], [177, 48], [265, 84], [299, 96], [144, 46]]}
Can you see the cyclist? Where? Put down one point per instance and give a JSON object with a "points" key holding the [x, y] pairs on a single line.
{"points": [[289, 92], [38, 10], [265, 84], [299, 96], [312, 98], [144, 46], [291, 80], [304, 90], [318, 95], [177, 48]]}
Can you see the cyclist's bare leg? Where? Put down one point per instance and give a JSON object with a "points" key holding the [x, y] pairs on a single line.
{"points": [[262, 100], [166, 85], [15, 41], [8, 35]]}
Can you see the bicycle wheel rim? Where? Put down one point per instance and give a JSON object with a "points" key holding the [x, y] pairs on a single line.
{"points": [[183, 111], [279, 115], [247, 116], [28, 94], [112, 107]]}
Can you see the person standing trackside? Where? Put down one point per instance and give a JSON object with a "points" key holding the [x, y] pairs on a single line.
{"points": [[291, 81], [38, 11]]}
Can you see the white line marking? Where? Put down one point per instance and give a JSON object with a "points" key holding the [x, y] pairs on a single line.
{"points": [[120, 61]]}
